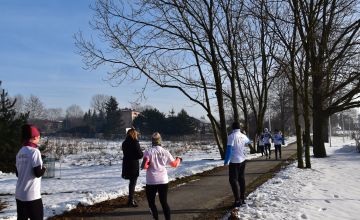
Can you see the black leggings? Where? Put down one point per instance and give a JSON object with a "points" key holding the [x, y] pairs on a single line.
{"points": [[30, 209], [132, 185], [267, 149], [162, 189], [237, 180], [277, 149]]}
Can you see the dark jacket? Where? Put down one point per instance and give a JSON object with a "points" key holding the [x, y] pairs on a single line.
{"points": [[132, 154]]}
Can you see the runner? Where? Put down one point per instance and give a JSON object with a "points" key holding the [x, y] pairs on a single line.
{"points": [[155, 160]]}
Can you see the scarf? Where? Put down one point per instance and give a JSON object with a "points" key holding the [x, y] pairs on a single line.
{"points": [[28, 143]]}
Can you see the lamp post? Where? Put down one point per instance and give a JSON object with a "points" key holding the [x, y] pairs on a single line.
{"points": [[330, 130], [269, 121], [343, 127]]}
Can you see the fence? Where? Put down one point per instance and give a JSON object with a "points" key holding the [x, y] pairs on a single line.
{"points": [[49, 163]]}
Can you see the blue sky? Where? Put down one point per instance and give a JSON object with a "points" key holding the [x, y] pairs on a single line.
{"points": [[38, 56]]}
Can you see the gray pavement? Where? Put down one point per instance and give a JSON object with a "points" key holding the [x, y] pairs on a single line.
{"points": [[200, 196]]}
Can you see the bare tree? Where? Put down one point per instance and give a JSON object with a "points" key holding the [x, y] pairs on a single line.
{"points": [[329, 32], [74, 111], [181, 44], [54, 114], [257, 64], [35, 107], [284, 27], [98, 102], [19, 104]]}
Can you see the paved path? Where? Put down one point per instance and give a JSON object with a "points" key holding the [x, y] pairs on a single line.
{"points": [[200, 196]]}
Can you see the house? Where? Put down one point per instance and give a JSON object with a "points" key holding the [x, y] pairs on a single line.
{"points": [[128, 116], [203, 126]]}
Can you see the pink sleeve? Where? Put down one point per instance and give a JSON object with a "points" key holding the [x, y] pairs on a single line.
{"points": [[175, 163], [146, 161]]}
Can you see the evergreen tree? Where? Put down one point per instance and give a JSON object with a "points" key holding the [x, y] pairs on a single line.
{"points": [[114, 126], [149, 121], [10, 128], [185, 124], [100, 121]]}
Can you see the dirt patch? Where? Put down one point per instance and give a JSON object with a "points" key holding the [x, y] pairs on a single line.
{"points": [[2, 206]]}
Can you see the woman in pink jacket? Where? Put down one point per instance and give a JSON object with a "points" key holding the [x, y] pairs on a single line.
{"points": [[155, 160]]}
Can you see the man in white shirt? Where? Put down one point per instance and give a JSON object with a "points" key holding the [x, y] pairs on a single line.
{"points": [[236, 155]]}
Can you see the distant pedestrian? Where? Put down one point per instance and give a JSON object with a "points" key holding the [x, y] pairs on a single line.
{"points": [[278, 141], [266, 137], [155, 160], [236, 156], [130, 168], [29, 170], [260, 145]]}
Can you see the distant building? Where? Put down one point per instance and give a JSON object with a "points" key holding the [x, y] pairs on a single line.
{"points": [[203, 126], [48, 126], [128, 116]]}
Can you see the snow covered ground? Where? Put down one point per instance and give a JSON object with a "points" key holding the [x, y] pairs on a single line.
{"points": [[91, 173], [330, 190]]}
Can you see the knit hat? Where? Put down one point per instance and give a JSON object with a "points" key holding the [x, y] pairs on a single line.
{"points": [[156, 139], [29, 131], [236, 125]]}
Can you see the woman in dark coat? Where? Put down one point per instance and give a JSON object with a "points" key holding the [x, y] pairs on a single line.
{"points": [[130, 168]]}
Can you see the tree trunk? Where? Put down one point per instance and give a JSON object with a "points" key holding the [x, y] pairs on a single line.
{"points": [[293, 82], [319, 117], [218, 139], [306, 116], [319, 120], [299, 149]]}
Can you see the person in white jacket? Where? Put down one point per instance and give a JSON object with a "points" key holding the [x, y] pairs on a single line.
{"points": [[266, 137], [278, 141], [235, 157], [29, 170]]}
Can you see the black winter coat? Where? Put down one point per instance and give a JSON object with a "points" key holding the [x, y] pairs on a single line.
{"points": [[132, 154]]}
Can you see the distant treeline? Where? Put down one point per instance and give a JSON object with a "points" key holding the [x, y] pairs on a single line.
{"points": [[108, 123]]}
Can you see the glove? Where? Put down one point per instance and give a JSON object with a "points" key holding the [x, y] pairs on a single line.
{"points": [[179, 159]]}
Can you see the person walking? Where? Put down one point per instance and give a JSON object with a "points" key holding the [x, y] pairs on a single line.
{"points": [[155, 160], [260, 145], [130, 168], [29, 170], [278, 141], [266, 137], [235, 157]]}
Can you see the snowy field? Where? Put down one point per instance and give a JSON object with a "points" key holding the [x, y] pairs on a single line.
{"points": [[330, 190], [91, 173]]}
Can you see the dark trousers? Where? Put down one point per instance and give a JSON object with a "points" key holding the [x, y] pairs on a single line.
{"points": [[32, 210], [132, 185], [267, 149], [151, 191], [237, 180], [277, 149], [261, 147]]}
